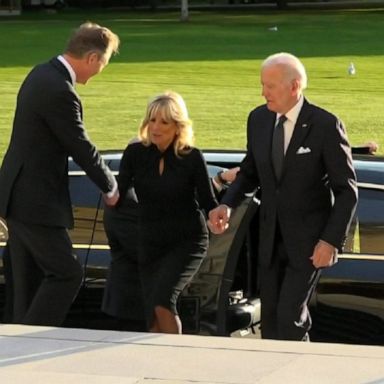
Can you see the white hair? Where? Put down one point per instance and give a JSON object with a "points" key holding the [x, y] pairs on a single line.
{"points": [[293, 67]]}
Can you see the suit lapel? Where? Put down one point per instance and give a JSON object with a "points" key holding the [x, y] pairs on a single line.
{"points": [[263, 139], [261, 142], [300, 132]]}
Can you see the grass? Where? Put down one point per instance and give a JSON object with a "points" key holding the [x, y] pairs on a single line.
{"points": [[213, 61]]}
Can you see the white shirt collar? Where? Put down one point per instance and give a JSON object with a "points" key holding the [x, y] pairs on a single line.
{"points": [[69, 68], [293, 113]]}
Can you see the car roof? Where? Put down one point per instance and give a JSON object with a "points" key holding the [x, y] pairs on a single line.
{"points": [[369, 168]]}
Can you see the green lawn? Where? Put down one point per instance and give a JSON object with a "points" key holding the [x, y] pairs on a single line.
{"points": [[213, 61]]}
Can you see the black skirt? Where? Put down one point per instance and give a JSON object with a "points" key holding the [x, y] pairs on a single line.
{"points": [[166, 267]]}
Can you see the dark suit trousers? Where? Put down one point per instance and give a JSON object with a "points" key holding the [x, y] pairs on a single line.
{"points": [[46, 275], [285, 291]]}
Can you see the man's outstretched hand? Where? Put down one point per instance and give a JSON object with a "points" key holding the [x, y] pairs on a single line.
{"points": [[219, 218]]}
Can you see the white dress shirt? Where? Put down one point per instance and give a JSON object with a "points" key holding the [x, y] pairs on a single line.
{"points": [[290, 123]]}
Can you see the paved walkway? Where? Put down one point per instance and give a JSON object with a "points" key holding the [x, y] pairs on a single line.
{"points": [[43, 355]]}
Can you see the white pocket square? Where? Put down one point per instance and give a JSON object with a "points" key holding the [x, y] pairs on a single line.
{"points": [[303, 150]]}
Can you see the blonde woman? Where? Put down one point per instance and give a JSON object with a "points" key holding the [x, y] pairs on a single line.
{"points": [[172, 185]]}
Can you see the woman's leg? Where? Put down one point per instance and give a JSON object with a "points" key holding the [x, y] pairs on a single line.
{"points": [[165, 321]]}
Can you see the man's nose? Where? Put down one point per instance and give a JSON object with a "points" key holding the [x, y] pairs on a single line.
{"points": [[263, 92]]}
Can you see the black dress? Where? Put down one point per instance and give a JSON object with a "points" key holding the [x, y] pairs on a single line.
{"points": [[173, 236], [123, 297]]}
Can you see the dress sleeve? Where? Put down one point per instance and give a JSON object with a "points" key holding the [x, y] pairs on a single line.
{"points": [[205, 194], [125, 178], [363, 150]]}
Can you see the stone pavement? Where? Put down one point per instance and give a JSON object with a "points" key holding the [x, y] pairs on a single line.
{"points": [[44, 355]]}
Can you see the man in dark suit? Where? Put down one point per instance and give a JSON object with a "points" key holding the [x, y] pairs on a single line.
{"points": [[308, 195], [34, 194]]}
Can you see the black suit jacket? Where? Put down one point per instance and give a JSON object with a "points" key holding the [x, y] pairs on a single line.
{"points": [[316, 195], [47, 128]]}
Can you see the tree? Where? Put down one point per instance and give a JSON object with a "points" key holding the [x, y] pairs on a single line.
{"points": [[184, 10]]}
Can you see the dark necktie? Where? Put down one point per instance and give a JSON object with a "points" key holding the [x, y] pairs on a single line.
{"points": [[278, 147]]}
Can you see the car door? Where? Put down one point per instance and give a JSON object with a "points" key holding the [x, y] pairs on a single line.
{"points": [[348, 305], [90, 247]]}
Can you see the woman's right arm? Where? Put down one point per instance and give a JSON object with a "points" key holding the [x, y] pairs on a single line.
{"points": [[125, 178]]}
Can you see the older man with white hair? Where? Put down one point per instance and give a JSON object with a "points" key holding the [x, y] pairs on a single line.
{"points": [[299, 156]]}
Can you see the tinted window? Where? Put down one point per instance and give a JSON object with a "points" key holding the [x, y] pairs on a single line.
{"points": [[367, 229], [86, 197]]}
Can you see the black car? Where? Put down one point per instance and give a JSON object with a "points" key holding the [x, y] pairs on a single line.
{"points": [[348, 305]]}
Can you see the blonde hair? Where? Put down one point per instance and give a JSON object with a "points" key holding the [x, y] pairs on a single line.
{"points": [[172, 108], [293, 67]]}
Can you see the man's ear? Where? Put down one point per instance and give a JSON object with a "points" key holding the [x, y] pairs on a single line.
{"points": [[92, 57], [295, 86]]}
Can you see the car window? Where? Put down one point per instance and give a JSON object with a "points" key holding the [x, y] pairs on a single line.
{"points": [[366, 235], [86, 198]]}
